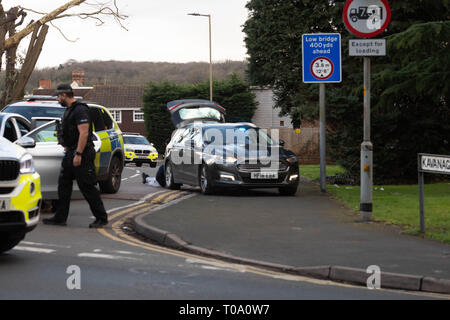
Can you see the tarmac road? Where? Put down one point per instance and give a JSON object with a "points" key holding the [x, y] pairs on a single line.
{"points": [[114, 266]]}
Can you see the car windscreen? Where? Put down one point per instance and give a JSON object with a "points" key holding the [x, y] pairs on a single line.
{"points": [[237, 136], [135, 140], [30, 112]]}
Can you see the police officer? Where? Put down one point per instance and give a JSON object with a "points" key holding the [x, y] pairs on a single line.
{"points": [[78, 161]]}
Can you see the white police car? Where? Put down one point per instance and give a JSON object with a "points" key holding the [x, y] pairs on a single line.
{"points": [[20, 194], [138, 150]]}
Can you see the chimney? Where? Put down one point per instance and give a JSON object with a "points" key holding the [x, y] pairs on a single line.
{"points": [[78, 76], [45, 84]]}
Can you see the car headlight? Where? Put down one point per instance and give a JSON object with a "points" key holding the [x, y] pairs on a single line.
{"points": [[292, 159], [128, 150], [223, 160], [27, 164]]}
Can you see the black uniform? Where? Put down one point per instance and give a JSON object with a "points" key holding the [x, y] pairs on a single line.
{"points": [[85, 174]]}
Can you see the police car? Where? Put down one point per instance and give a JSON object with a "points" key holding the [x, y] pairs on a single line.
{"points": [[48, 154], [20, 194], [138, 150]]}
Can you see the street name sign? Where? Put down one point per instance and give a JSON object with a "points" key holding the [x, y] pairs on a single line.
{"points": [[322, 59], [434, 163], [367, 47], [366, 18], [429, 163]]}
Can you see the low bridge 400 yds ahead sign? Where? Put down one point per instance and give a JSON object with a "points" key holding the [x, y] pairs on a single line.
{"points": [[322, 58]]}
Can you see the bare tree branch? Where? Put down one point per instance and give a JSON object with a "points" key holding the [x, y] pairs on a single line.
{"points": [[15, 80]]}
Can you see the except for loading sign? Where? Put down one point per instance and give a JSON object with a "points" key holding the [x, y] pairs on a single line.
{"points": [[322, 68]]}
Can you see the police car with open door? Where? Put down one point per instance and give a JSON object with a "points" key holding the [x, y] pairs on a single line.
{"points": [[48, 154]]}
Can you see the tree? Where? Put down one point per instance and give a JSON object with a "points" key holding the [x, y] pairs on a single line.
{"points": [[233, 94], [10, 38], [410, 86]]}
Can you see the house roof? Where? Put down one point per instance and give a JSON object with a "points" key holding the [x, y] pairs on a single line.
{"points": [[50, 92], [120, 97]]}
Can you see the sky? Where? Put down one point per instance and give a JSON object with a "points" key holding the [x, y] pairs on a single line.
{"points": [[158, 31]]}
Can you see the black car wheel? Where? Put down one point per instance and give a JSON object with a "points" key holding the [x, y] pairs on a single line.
{"points": [[112, 184], [205, 181], [169, 177]]}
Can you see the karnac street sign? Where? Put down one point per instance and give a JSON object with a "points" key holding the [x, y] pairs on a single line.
{"points": [[366, 18], [322, 61]]}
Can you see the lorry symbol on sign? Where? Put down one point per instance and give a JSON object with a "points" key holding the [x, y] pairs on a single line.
{"points": [[365, 13]]}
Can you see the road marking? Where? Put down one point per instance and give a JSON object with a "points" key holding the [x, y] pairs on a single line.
{"points": [[35, 250], [44, 245], [105, 256]]}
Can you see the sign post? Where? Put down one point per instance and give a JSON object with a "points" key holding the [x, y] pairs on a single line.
{"points": [[366, 19], [322, 63], [429, 163]]}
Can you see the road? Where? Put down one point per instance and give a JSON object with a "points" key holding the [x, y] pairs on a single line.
{"points": [[113, 265]]}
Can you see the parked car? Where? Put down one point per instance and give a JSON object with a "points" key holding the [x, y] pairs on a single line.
{"points": [[20, 194], [139, 150], [48, 154], [37, 110], [205, 151], [13, 126]]}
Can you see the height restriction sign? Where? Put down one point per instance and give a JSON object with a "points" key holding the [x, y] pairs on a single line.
{"points": [[322, 58]]}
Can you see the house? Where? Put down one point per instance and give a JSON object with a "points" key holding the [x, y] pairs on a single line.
{"points": [[266, 116], [124, 103]]}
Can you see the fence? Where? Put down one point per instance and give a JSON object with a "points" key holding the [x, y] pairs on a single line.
{"points": [[305, 145]]}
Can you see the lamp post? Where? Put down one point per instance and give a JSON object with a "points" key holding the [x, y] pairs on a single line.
{"points": [[210, 52]]}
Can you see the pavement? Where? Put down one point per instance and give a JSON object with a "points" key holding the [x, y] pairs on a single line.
{"points": [[310, 234]]}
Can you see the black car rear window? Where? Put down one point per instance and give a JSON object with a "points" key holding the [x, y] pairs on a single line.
{"points": [[30, 112]]}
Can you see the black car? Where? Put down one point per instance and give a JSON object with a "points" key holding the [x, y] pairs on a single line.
{"points": [[207, 152]]}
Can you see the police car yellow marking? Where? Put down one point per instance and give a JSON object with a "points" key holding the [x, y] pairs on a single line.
{"points": [[26, 201]]}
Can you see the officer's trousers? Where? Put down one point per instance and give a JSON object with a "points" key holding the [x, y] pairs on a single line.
{"points": [[86, 178]]}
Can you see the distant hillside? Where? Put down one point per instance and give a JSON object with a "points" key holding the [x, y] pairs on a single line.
{"points": [[136, 73]]}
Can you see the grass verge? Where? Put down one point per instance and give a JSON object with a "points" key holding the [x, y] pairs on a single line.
{"points": [[398, 204]]}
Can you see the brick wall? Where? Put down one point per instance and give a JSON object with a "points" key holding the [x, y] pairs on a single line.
{"points": [[128, 124]]}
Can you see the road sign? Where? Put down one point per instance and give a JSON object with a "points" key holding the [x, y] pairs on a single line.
{"points": [[429, 163], [322, 58], [434, 163], [367, 47], [366, 18]]}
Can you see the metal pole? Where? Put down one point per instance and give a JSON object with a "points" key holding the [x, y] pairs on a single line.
{"points": [[210, 61], [366, 151], [323, 144], [421, 199]]}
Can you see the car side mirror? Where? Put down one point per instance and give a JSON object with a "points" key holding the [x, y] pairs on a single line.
{"points": [[282, 143], [26, 142]]}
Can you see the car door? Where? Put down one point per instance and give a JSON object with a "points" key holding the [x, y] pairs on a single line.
{"points": [[47, 156], [177, 155], [192, 155]]}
